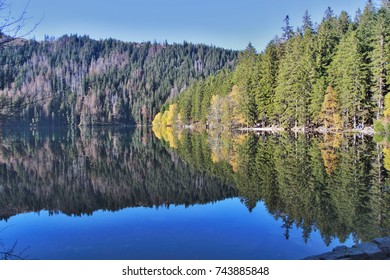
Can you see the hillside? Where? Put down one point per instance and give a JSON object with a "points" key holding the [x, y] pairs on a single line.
{"points": [[80, 81]]}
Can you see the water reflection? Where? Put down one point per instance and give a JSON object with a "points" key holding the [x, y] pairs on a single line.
{"points": [[332, 185], [78, 172], [336, 183]]}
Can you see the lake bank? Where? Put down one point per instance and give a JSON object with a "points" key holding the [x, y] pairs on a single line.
{"points": [[276, 129], [378, 249]]}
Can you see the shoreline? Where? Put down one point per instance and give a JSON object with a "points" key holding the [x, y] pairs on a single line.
{"points": [[377, 249], [367, 130]]}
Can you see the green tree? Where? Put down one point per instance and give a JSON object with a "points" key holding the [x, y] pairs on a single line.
{"points": [[246, 76], [288, 30], [295, 81], [265, 91], [380, 58], [287, 99], [348, 75]]}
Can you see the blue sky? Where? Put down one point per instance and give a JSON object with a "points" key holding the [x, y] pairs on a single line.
{"points": [[226, 23]]}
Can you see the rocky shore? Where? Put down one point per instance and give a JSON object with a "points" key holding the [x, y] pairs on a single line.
{"points": [[378, 249]]}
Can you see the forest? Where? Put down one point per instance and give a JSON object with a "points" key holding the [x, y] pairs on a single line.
{"points": [[75, 80], [333, 75]]}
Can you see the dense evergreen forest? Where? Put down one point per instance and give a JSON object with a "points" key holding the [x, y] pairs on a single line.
{"points": [[334, 183], [78, 172], [334, 75], [79, 81]]}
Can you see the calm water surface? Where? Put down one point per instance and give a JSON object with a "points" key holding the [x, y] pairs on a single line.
{"points": [[127, 194]]}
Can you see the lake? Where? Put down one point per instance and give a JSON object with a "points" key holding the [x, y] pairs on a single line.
{"points": [[129, 193]]}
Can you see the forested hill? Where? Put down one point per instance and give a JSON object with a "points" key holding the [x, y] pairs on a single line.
{"points": [[334, 74], [77, 80]]}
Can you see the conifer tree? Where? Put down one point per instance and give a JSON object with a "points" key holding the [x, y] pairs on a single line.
{"points": [[288, 30], [380, 58], [265, 90], [348, 76], [246, 76]]}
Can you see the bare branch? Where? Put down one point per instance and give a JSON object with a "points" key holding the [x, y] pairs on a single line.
{"points": [[12, 252], [12, 28]]}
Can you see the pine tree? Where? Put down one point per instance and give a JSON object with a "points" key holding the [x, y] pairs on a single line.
{"points": [[307, 23], [348, 77], [288, 30], [265, 90], [380, 58], [246, 77], [295, 81], [287, 89]]}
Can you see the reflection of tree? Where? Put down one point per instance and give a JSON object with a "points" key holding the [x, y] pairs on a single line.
{"points": [[79, 172], [11, 252], [329, 151], [331, 183]]}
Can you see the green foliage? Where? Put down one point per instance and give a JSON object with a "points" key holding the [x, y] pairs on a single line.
{"points": [[348, 75], [265, 91], [286, 84], [379, 127], [380, 58]]}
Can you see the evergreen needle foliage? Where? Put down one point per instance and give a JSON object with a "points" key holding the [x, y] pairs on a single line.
{"points": [[299, 79]]}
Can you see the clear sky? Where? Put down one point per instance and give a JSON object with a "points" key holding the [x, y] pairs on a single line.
{"points": [[226, 23]]}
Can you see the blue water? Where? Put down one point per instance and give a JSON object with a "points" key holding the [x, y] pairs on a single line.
{"points": [[222, 230]]}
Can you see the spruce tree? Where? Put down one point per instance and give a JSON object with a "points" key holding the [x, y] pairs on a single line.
{"points": [[348, 77], [265, 90], [380, 58]]}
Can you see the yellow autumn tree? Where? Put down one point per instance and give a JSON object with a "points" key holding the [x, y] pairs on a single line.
{"points": [[237, 118], [157, 120], [386, 160], [171, 115], [215, 111], [386, 112], [330, 115], [329, 146]]}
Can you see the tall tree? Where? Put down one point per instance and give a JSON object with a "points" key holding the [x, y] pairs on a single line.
{"points": [[349, 80], [246, 77], [287, 89], [288, 30], [265, 91], [380, 58], [307, 23], [295, 81]]}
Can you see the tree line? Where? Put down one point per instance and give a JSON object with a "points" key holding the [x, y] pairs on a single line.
{"points": [[334, 74], [76, 80]]}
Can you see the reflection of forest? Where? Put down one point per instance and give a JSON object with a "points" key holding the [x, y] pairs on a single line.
{"points": [[79, 172], [333, 183]]}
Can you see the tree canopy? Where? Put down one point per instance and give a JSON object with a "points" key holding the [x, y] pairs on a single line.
{"points": [[287, 84]]}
